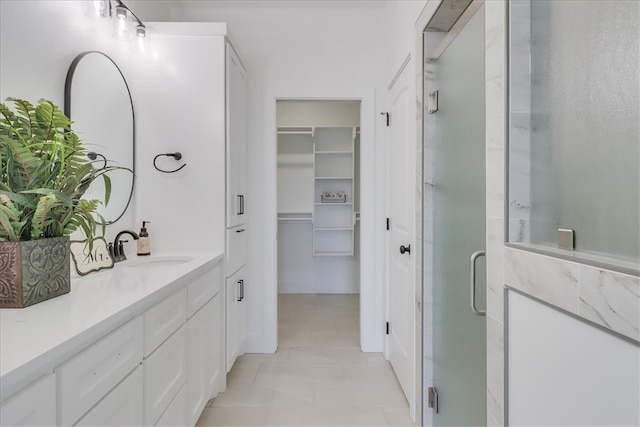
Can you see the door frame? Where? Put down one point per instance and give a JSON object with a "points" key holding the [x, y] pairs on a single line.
{"points": [[264, 308], [437, 47]]}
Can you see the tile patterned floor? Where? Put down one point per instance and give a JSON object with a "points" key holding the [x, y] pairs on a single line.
{"points": [[318, 377]]}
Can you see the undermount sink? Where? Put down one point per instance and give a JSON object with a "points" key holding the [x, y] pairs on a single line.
{"points": [[157, 261]]}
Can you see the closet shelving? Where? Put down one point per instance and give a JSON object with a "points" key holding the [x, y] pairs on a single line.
{"points": [[333, 222], [313, 161]]}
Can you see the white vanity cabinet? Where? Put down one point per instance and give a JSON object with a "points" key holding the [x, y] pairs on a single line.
{"points": [[205, 337], [156, 360], [122, 406], [35, 405], [87, 377]]}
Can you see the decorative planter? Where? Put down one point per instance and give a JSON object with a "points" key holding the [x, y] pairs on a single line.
{"points": [[33, 271]]}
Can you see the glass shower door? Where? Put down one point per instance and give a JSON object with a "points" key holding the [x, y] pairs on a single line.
{"points": [[459, 228]]}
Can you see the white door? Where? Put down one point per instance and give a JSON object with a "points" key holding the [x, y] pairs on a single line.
{"points": [[401, 235]]}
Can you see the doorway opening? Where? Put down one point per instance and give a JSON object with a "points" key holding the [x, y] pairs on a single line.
{"points": [[318, 203]]}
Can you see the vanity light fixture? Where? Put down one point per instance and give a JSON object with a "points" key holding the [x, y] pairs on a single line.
{"points": [[124, 22]]}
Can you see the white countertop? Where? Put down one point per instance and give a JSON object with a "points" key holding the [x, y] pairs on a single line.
{"points": [[36, 339]]}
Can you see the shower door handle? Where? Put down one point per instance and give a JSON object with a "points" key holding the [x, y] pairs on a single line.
{"points": [[472, 281]]}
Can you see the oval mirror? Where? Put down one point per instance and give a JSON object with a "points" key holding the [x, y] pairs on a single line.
{"points": [[98, 101]]}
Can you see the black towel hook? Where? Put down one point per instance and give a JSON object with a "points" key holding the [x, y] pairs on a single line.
{"points": [[176, 156]]}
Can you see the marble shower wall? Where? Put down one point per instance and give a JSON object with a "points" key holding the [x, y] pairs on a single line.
{"points": [[520, 122], [607, 298]]}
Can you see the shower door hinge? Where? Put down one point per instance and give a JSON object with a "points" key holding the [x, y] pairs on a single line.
{"points": [[387, 328], [386, 114], [388, 224], [432, 399], [432, 105]]}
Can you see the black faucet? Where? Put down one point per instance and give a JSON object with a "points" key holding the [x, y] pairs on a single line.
{"points": [[117, 247]]}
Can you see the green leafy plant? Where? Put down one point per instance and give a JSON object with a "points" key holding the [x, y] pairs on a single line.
{"points": [[44, 172]]}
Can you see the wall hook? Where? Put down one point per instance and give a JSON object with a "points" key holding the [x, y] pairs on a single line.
{"points": [[176, 156]]}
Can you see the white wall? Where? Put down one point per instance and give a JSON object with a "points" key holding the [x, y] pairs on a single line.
{"points": [[180, 91], [402, 17], [38, 42], [309, 50]]}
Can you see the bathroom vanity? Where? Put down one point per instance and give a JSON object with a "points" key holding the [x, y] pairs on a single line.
{"points": [[141, 344]]}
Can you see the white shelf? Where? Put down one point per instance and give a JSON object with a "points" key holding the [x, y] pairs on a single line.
{"points": [[333, 177], [333, 228], [333, 253], [333, 223], [334, 204]]}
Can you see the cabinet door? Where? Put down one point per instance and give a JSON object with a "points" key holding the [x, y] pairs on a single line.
{"points": [[236, 254], [236, 316], [176, 414], [205, 357], [121, 407], [163, 319], [236, 139], [33, 406], [87, 377], [203, 288], [165, 372]]}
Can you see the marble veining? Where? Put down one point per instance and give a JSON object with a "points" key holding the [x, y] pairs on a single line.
{"points": [[495, 366], [495, 270], [495, 142], [611, 299], [552, 280]]}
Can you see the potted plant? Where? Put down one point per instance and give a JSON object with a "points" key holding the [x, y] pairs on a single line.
{"points": [[44, 172]]}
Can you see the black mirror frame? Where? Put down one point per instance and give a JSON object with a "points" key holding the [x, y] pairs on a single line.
{"points": [[67, 111]]}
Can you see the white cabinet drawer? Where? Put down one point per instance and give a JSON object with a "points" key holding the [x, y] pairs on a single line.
{"points": [[121, 407], [236, 255], [204, 288], [165, 372], [35, 405], [88, 376], [176, 413], [163, 319]]}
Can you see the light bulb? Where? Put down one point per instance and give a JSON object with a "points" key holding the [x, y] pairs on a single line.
{"points": [[122, 23]]}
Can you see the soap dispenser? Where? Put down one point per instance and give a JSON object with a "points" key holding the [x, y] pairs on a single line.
{"points": [[143, 241]]}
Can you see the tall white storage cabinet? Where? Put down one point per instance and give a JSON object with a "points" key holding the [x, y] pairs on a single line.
{"points": [[236, 250], [190, 96]]}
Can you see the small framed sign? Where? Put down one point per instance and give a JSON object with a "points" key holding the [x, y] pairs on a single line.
{"points": [[86, 261]]}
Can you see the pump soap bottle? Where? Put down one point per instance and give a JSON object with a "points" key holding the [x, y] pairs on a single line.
{"points": [[143, 241]]}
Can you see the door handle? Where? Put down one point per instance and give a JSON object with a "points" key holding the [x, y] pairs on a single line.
{"points": [[404, 249], [472, 281], [240, 290], [240, 204], [242, 230]]}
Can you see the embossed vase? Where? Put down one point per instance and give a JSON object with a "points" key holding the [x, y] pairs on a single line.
{"points": [[33, 271]]}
